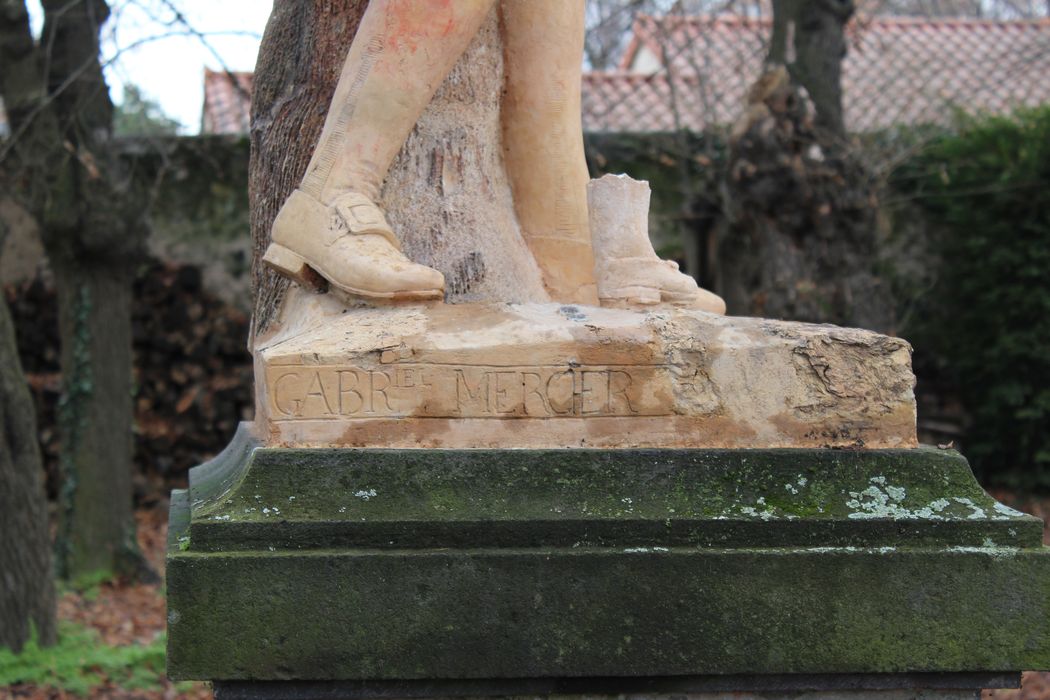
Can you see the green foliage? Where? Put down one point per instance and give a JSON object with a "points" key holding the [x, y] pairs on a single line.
{"points": [[140, 116], [80, 662], [88, 584], [986, 191]]}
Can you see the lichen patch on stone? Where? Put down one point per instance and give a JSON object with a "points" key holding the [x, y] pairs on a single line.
{"points": [[884, 500]]}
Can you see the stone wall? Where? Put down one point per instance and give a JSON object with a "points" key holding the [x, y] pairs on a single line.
{"points": [[199, 215]]}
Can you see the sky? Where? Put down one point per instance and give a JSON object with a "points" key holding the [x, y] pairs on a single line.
{"points": [[146, 44]]}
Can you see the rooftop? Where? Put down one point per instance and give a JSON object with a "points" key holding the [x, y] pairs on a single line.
{"points": [[693, 72]]}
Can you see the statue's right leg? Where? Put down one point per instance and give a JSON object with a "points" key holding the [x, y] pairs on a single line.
{"points": [[330, 226], [543, 141]]}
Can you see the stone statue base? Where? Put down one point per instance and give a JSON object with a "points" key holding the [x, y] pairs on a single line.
{"points": [[920, 686], [555, 376], [400, 566]]}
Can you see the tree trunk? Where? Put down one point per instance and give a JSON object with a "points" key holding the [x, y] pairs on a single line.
{"points": [[27, 594], [97, 528], [64, 168], [447, 195], [820, 46], [785, 15], [810, 39], [802, 240]]}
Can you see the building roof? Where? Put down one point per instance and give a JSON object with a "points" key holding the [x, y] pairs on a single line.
{"points": [[693, 72], [897, 71], [634, 102], [227, 102]]}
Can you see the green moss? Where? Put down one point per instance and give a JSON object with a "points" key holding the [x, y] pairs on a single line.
{"points": [[541, 612], [88, 584], [80, 662], [484, 563], [77, 388], [308, 498]]}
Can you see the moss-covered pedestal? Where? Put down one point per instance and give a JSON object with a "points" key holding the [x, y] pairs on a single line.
{"points": [[541, 571]]}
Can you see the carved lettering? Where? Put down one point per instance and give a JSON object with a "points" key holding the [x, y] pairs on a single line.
{"points": [[594, 392], [561, 393], [350, 399], [619, 383], [532, 388], [408, 377], [449, 391], [476, 398], [508, 392], [378, 381], [286, 403], [316, 391]]}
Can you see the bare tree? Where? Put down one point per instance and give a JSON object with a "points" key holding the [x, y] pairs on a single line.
{"points": [[816, 34], [60, 161], [608, 29]]}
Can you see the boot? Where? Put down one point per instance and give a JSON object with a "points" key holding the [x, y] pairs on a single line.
{"points": [[628, 272], [348, 245]]}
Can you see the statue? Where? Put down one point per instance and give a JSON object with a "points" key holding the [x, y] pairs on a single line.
{"points": [[439, 179], [479, 551], [330, 232]]}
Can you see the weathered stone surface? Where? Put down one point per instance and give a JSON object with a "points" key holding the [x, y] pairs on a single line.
{"points": [[252, 498], [924, 686], [545, 375], [430, 564]]}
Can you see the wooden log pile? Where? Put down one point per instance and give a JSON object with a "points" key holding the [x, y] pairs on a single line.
{"points": [[192, 370]]}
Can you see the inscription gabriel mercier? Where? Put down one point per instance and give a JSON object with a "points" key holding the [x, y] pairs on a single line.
{"points": [[448, 391]]}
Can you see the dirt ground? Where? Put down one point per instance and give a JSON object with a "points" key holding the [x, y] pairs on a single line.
{"points": [[124, 614]]}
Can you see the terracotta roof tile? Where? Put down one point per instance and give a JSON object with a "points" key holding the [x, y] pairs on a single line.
{"points": [[897, 71], [227, 102]]}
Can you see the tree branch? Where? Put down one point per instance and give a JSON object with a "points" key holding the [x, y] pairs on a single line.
{"points": [[21, 81], [72, 29]]}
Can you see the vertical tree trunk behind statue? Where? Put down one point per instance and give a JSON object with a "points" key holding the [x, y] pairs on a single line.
{"points": [[447, 195], [62, 164], [96, 532], [27, 595], [803, 240]]}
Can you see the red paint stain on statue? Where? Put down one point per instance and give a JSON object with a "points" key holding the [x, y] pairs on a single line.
{"points": [[410, 22]]}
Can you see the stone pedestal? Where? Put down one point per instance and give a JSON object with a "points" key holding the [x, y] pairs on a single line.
{"points": [[509, 376], [914, 687], [589, 502], [505, 570]]}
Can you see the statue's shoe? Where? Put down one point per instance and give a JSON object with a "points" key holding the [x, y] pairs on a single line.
{"points": [[647, 281], [347, 247]]}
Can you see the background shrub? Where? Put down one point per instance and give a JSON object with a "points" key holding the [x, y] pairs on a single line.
{"points": [[985, 191]]}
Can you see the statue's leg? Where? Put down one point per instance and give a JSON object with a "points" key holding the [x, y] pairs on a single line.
{"points": [[543, 141], [331, 226], [402, 52]]}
